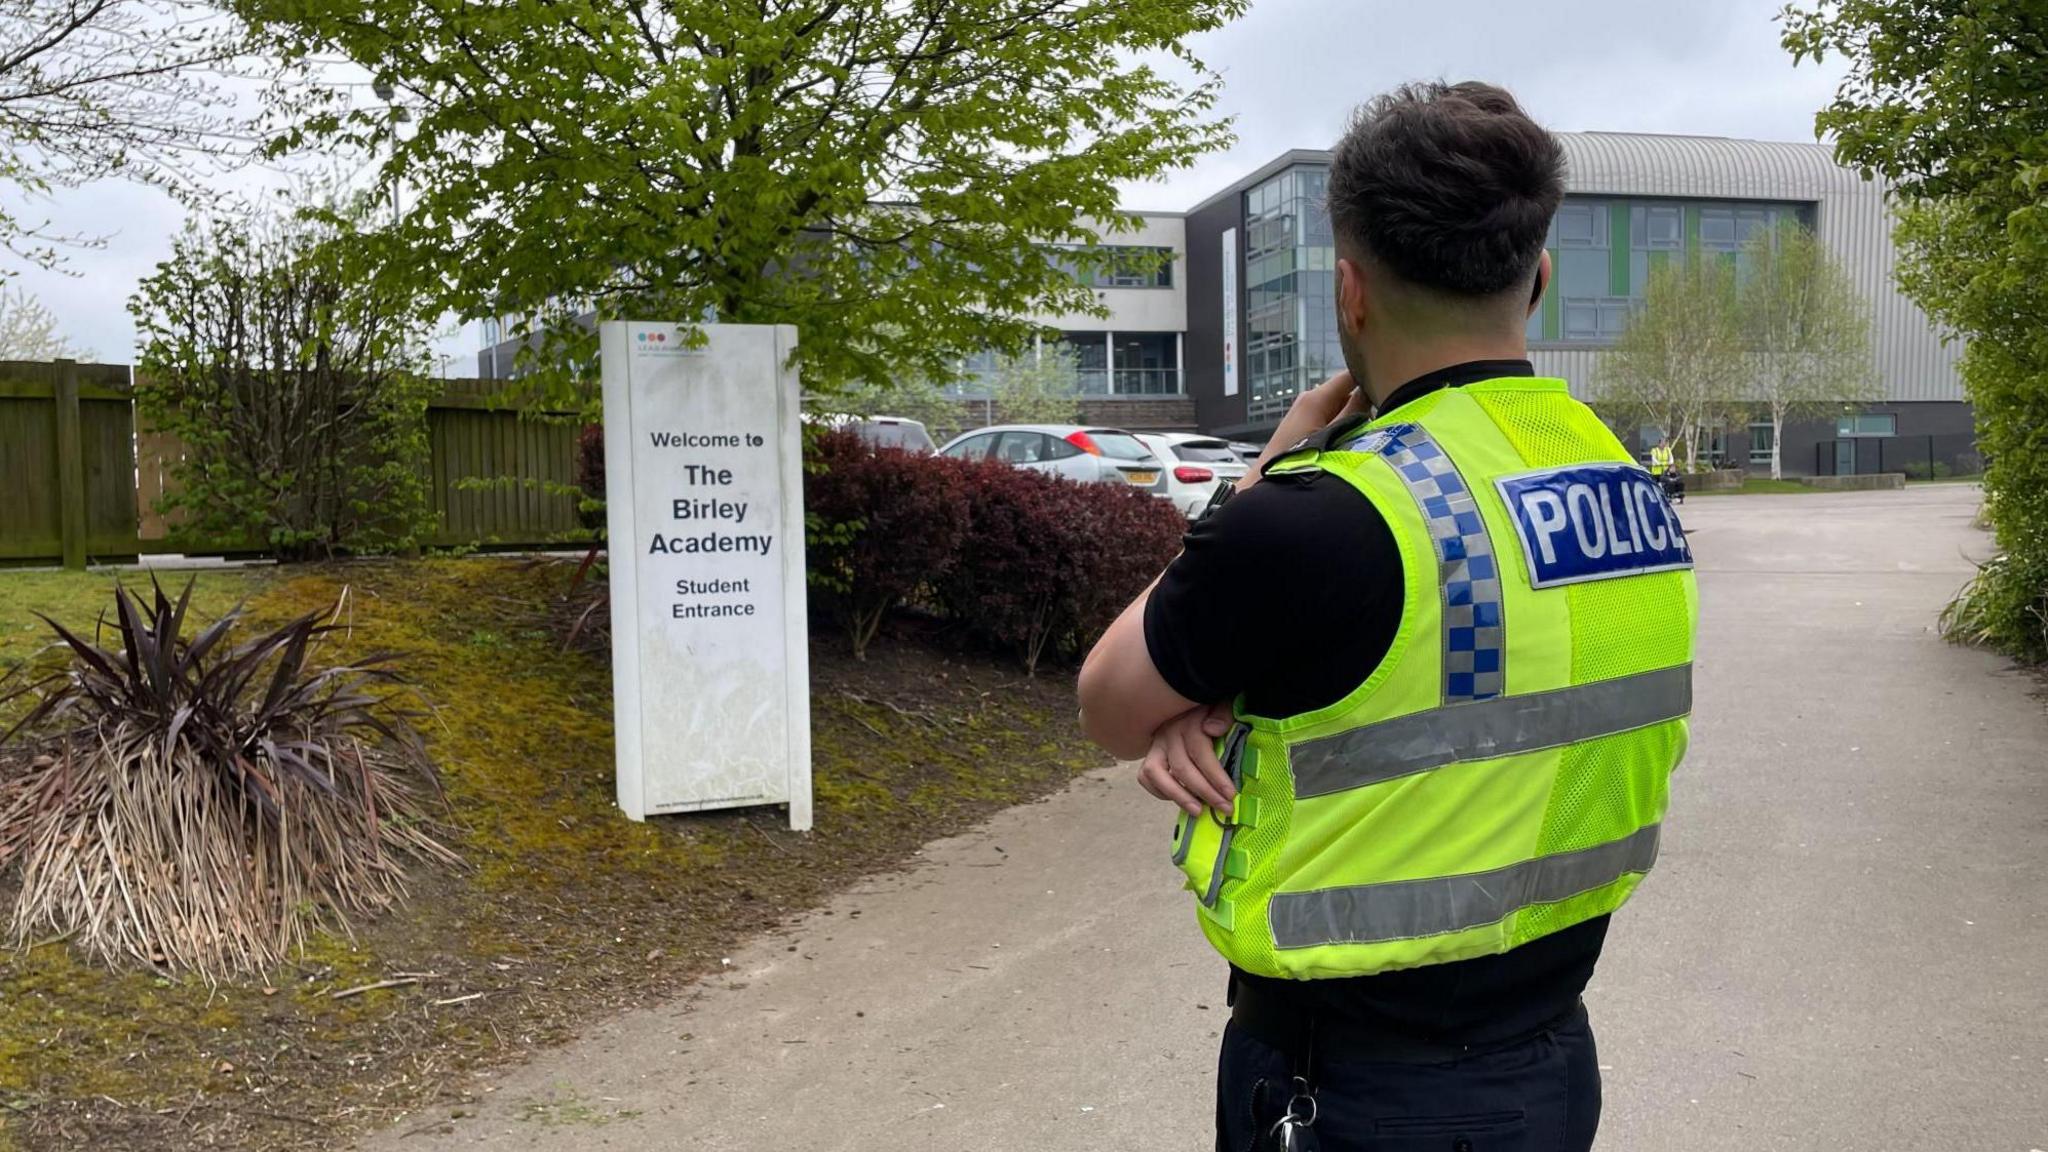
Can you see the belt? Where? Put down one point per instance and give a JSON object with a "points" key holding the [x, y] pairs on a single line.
{"points": [[1281, 1024]]}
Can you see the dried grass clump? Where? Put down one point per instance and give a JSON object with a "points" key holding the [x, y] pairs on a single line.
{"points": [[196, 804]]}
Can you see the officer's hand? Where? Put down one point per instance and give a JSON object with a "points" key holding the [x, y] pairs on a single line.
{"points": [[1182, 766], [1311, 412], [1326, 403]]}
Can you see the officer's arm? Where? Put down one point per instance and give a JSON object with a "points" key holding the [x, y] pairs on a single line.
{"points": [[1124, 699]]}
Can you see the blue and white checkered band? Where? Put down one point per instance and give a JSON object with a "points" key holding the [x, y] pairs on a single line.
{"points": [[1475, 650]]}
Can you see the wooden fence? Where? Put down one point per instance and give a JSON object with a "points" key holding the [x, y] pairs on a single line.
{"points": [[78, 481]]}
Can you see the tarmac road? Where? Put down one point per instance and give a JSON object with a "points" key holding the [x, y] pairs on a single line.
{"points": [[1845, 945]]}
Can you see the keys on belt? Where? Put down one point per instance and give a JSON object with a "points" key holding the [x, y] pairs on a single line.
{"points": [[1295, 1130]]}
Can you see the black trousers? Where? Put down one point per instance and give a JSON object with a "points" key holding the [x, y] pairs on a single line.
{"points": [[1542, 1095]]}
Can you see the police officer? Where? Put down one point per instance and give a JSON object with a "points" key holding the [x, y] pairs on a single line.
{"points": [[1418, 689], [1664, 465], [1662, 459]]}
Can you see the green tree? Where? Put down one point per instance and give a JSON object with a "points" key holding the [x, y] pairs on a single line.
{"points": [[295, 385], [910, 397], [1807, 328], [1948, 99], [1041, 387], [1679, 363], [883, 174]]}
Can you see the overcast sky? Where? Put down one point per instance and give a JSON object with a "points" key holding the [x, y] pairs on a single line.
{"points": [[1292, 70]]}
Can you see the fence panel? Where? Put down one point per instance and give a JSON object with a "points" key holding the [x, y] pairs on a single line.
{"points": [[1923, 457], [107, 434], [498, 477], [38, 435], [31, 518]]}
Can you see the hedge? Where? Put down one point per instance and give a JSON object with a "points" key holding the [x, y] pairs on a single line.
{"points": [[1028, 563], [900, 519]]}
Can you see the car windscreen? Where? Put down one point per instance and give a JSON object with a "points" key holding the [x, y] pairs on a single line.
{"points": [[906, 436], [1119, 445], [1206, 452]]}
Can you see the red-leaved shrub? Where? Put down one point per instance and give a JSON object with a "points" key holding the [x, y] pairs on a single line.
{"points": [[902, 516], [1123, 539], [1047, 563], [1023, 561]]}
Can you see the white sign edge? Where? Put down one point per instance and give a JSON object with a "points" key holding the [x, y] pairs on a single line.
{"points": [[616, 372], [795, 594]]}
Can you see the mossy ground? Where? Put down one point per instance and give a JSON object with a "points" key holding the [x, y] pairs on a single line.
{"points": [[565, 910]]}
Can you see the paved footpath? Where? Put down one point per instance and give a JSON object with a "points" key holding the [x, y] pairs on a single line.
{"points": [[1844, 947]]}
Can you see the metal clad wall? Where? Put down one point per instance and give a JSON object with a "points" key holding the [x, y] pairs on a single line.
{"points": [[1854, 222], [1579, 366]]}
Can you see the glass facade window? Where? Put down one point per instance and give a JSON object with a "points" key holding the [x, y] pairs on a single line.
{"points": [[1091, 359], [1760, 443], [1656, 227], [1147, 363], [1123, 266], [1603, 249], [1867, 424], [1290, 260]]}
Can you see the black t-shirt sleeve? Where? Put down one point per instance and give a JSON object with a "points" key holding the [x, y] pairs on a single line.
{"points": [[1289, 594]]}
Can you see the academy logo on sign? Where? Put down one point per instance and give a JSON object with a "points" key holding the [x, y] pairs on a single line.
{"points": [[1593, 522], [660, 342]]}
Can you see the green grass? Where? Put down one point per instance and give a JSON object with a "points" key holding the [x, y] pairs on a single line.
{"points": [[564, 909], [1765, 486], [77, 599]]}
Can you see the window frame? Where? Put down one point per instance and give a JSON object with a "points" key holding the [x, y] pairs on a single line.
{"points": [[1850, 427], [1719, 215], [1593, 237], [1028, 439], [1760, 434], [961, 450]]}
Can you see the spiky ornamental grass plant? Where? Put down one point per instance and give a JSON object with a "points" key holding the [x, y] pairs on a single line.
{"points": [[203, 805]]}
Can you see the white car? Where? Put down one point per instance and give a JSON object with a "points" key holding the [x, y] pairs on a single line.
{"points": [[1088, 455], [899, 432], [1195, 467]]}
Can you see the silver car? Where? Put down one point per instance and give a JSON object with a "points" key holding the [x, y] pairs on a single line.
{"points": [[1088, 455]]}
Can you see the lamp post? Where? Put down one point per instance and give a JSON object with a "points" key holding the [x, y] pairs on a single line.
{"points": [[399, 115]]}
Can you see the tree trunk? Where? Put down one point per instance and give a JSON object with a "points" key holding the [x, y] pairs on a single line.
{"points": [[1777, 435]]}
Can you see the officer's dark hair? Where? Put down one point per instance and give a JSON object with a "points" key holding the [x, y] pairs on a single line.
{"points": [[1450, 187]]}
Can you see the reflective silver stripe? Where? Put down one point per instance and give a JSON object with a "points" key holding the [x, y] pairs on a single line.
{"points": [[1484, 729], [1222, 862], [1407, 909]]}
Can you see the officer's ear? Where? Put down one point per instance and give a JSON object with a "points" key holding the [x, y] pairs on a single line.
{"points": [[1351, 294], [1542, 281]]}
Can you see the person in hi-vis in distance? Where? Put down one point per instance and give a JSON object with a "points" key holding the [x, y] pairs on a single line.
{"points": [[1419, 688]]}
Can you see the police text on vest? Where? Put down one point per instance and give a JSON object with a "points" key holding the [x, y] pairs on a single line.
{"points": [[1593, 522]]}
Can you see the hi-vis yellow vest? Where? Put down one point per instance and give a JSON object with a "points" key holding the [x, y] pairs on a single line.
{"points": [[1503, 773]]}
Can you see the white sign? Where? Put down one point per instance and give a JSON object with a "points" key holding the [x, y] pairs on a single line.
{"points": [[1230, 311], [704, 499]]}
